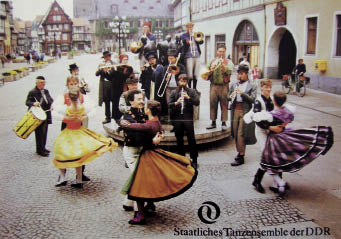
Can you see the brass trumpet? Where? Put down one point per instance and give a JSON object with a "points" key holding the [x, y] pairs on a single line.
{"points": [[172, 69]]}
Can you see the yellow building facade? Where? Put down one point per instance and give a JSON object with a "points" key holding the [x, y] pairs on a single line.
{"points": [[312, 32]]}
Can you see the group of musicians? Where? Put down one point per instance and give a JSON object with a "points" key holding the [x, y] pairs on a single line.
{"points": [[162, 65]]}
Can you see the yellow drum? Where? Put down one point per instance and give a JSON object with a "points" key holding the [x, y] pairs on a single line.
{"points": [[31, 120]]}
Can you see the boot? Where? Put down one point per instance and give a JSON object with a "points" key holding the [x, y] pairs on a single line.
{"points": [[258, 179], [239, 160]]}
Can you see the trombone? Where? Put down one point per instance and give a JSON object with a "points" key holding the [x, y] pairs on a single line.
{"points": [[172, 69]]}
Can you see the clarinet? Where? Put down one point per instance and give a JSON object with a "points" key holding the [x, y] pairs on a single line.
{"points": [[182, 101]]}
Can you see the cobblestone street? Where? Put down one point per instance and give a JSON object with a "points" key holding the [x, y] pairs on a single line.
{"points": [[32, 207]]}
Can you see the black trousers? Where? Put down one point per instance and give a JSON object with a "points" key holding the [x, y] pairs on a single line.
{"points": [[41, 135], [180, 127], [116, 113], [107, 109]]}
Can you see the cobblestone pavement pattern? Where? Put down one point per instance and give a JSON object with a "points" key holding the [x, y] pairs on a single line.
{"points": [[31, 207]]}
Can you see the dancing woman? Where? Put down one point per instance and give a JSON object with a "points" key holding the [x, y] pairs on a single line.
{"points": [[290, 150], [76, 145], [159, 174]]}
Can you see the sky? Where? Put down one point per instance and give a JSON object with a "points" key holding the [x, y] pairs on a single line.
{"points": [[28, 9]]}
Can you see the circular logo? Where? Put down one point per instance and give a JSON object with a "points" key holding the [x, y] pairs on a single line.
{"points": [[209, 212]]}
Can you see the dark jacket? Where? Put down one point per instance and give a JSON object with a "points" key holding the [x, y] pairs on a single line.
{"points": [[103, 76], [175, 110], [35, 95], [248, 97], [134, 138], [185, 38]]}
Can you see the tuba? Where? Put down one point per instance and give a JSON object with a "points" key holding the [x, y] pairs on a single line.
{"points": [[136, 46], [172, 69]]}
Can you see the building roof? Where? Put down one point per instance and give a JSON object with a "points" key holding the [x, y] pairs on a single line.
{"points": [[131, 8], [19, 25]]}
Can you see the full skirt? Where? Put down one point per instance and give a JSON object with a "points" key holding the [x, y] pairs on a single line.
{"points": [[291, 150], [76, 147], [159, 175]]}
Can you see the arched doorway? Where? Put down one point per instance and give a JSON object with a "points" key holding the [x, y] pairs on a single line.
{"points": [[246, 43], [281, 54]]}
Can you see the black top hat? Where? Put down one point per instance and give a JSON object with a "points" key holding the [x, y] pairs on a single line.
{"points": [[73, 66], [172, 52], [243, 67], [106, 53]]}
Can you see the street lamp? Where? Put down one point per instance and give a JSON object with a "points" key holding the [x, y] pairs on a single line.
{"points": [[119, 26]]}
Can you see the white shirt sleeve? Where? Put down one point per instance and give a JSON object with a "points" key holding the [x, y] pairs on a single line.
{"points": [[89, 106], [59, 108]]}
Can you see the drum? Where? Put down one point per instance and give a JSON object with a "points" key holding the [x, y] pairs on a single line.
{"points": [[31, 120]]}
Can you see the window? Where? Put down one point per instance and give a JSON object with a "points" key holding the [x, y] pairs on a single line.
{"points": [[64, 36], [48, 27], [114, 9], [204, 5], [338, 35], [217, 3], [311, 35], [210, 3], [66, 26], [57, 36], [56, 9], [219, 40]]}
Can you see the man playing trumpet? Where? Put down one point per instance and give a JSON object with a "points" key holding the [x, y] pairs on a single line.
{"points": [[191, 52], [221, 69]]}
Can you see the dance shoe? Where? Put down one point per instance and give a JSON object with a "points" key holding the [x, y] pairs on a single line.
{"points": [[138, 220], [85, 178], [77, 185], [128, 208]]}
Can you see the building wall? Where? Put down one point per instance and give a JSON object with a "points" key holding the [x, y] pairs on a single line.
{"points": [[225, 20], [297, 13]]}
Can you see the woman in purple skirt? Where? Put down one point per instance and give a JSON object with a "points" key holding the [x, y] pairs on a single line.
{"points": [[290, 150]]}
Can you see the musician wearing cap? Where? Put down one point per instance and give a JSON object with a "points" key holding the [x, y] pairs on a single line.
{"points": [[147, 74], [191, 53], [181, 102], [40, 97], [221, 70], [242, 95], [105, 85], [147, 39], [166, 80]]}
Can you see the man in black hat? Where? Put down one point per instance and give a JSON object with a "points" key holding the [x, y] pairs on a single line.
{"points": [[167, 79], [105, 84], [40, 97], [147, 74], [242, 95]]}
